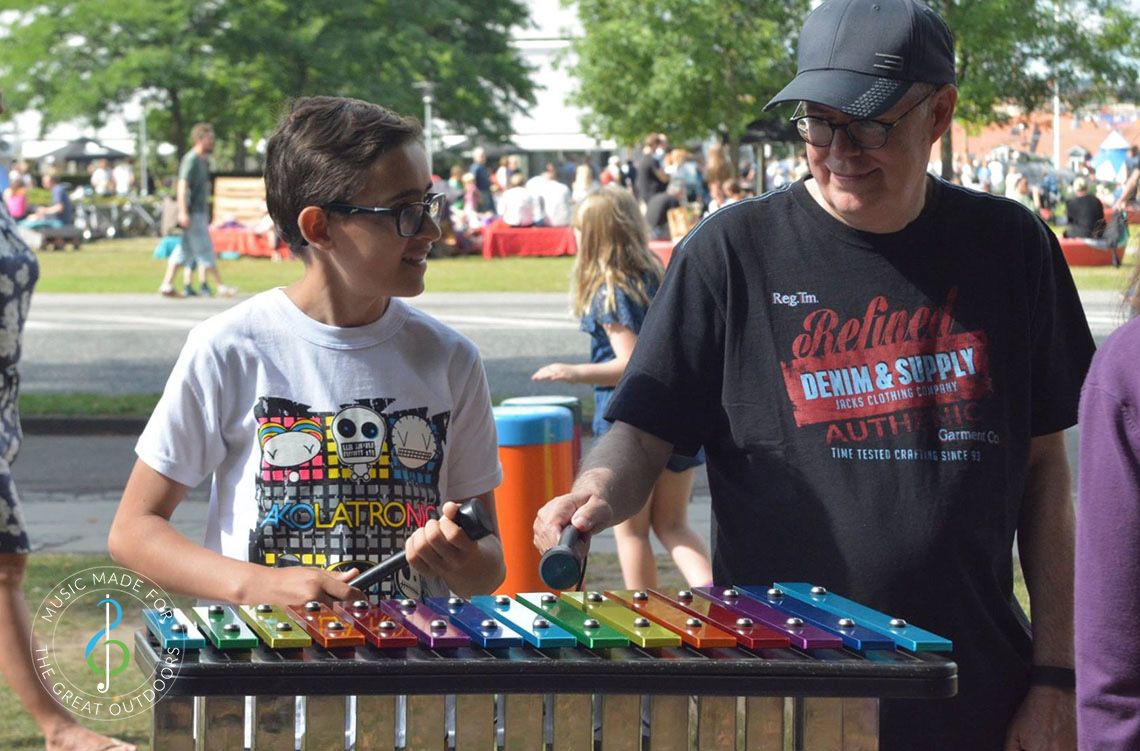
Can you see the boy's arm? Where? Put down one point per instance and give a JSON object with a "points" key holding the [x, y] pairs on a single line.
{"points": [[442, 549], [143, 539]]}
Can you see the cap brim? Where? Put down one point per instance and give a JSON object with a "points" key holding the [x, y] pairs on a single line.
{"points": [[855, 94]]}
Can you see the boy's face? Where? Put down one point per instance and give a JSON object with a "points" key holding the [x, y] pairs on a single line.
{"points": [[373, 258]]}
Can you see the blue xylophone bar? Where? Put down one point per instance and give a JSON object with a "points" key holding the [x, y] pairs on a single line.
{"points": [[902, 633], [485, 630], [854, 636]]}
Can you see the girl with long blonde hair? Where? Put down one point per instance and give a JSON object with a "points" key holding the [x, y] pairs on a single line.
{"points": [[615, 277]]}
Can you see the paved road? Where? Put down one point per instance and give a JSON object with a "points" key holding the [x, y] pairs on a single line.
{"points": [[119, 344]]}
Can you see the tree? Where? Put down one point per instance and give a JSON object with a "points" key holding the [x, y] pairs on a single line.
{"points": [[1013, 51], [703, 66], [235, 63], [689, 68]]}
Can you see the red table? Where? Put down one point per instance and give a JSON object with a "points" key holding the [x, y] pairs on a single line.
{"points": [[242, 240], [501, 239], [663, 249]]}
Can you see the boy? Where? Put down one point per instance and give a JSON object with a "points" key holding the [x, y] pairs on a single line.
{"points": [[334, 419]]}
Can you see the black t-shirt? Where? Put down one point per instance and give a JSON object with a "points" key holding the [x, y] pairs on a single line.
{"points": [[866, 403], [647, 183], [1086, 216], [657, 209]]}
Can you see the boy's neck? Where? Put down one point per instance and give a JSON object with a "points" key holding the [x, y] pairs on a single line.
{"points": [[321, 303]]}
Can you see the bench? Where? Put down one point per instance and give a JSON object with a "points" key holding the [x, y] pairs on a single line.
{"points": [[56, 238]]}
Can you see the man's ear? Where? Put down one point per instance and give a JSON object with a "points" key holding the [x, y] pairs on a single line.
{"points": [[942, 107], [314, 226]]}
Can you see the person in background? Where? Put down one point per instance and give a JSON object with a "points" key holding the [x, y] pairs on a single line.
{"points": [[657, 210], [517, 205], [123, 177], [1107, 597], [101, 179], [60, 212], [905, 493], [16, 200], [554, 203], [584, 183], [650, 176], [19, 272], [615, 278], [193, 196], [482, 176], [717, 170], [1085, 212]]}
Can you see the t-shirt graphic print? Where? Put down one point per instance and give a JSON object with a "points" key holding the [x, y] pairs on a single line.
{"points": [[887, 372], [345, 488]]}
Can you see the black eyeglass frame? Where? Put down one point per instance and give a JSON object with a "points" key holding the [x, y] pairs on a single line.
{"points": [[846, 127], [436, 200]]}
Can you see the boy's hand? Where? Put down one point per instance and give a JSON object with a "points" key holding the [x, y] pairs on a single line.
{"points": [[441, 548], [298, 585]]}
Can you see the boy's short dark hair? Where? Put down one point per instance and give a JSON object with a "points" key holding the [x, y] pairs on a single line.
{"points": [[322, 152]]}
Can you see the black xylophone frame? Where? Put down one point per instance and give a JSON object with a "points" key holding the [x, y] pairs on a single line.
{"points": [[467, 697]]}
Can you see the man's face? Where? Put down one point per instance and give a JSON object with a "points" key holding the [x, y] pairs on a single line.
{"points": [[207, 142], [880, 190]]}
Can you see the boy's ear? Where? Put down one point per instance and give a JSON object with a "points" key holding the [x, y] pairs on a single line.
{"points": [[314, 226]]}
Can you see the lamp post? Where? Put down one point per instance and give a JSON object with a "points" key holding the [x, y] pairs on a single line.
{"points": [[426, 88]]}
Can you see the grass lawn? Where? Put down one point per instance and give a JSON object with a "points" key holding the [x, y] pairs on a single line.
{"points": [[19, 733], [127, 266]]}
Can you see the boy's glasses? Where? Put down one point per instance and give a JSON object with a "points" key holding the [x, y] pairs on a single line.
{"points": [[863, 134], [409, 216]]}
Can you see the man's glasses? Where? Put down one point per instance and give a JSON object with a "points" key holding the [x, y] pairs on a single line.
{"points": [[864, 134], [409, 216]]}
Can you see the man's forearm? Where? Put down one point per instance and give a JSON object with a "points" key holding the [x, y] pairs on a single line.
{"points": [[622, 468], [1045, 544]]}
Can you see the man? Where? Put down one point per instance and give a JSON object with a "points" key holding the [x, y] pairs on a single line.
{"points": [[657, 208], [482, 178], [518, 206], [193, 198], [651, 178], [553, 198], [1085, 212], [60, 212], [798, 337]]}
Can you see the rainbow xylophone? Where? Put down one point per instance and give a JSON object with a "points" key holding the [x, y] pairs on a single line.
{"points": [[791, 664]]}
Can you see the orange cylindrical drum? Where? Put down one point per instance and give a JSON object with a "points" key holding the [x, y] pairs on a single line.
{"points": [[572, 403], [535, 449]]}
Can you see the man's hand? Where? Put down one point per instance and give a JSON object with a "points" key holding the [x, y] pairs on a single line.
{"points": [[1046, 721], [183, 218], [300, 584], [586, 511]]}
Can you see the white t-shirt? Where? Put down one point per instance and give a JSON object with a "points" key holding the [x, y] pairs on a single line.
{"points": [[517, 207], [327, 446], [554, 198]]}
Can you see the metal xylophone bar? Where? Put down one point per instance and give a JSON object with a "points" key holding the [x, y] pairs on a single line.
{"points": [[787, 668]]}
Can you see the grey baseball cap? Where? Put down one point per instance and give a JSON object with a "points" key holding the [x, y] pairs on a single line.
{"points": [[861, 56]]}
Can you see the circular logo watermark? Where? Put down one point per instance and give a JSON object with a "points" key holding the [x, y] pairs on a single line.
{"points": [[83, 644]]}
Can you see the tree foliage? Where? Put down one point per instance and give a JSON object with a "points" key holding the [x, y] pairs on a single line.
{"points": [[696, 67], [237, 62], [689, 68]]}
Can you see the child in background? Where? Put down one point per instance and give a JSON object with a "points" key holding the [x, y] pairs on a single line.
{"points": [[615, 277], [336, 423]]}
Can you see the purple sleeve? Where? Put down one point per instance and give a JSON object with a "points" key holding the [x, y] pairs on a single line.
{"points": [[1107, 587]]}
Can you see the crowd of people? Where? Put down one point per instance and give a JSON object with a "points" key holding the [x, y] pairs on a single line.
{"points": [[659, 178]]}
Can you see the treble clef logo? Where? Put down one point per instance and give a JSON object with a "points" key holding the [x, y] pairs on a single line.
{"points": [[105, 685]]}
